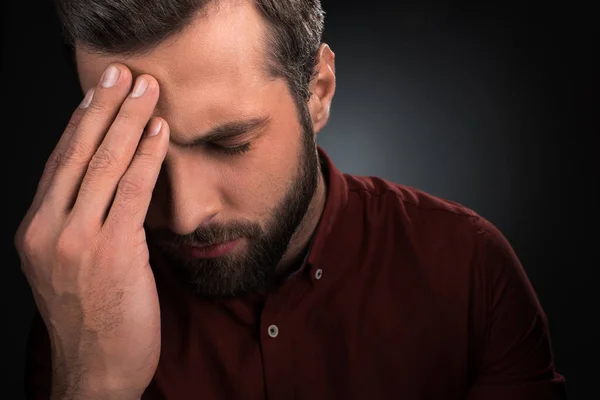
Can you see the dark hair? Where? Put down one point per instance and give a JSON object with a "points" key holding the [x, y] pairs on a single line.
{"points": [[134, 27]]}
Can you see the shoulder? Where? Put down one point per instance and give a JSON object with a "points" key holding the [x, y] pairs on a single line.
{"points": [[436, 229], [438, 243], [412, 207]]}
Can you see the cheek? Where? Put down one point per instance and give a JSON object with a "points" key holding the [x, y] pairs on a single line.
{"points": [[263, 176], [258, 185]]}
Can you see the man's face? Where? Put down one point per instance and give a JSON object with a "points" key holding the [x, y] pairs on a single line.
{"points": [[224, 209]]}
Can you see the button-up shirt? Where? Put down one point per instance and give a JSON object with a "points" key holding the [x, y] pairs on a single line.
{"points": [[402, 295]]}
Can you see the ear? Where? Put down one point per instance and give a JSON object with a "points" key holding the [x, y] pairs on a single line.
{"points": [[322, 88]]}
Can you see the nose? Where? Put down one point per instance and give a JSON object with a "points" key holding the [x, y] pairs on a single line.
{"points": [[193, 196]]}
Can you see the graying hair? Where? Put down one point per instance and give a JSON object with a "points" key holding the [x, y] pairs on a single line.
{"points": [[130, 27]]}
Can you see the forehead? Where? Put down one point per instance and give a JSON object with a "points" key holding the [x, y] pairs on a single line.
{"points": [[219, 59]]}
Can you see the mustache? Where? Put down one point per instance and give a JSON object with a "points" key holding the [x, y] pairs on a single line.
{"points": [[207, 235]]}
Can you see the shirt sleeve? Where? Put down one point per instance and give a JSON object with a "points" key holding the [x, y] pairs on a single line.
{"points": [[38, 366], [515, 359]]}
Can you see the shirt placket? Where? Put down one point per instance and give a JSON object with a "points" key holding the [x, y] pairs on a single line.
{"points": [[280, 330]]}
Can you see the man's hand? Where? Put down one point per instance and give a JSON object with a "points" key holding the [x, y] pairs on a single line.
{"points": [[83, 247]]}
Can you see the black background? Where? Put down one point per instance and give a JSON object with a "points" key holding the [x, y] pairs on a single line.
{"points": [[490, 105]]}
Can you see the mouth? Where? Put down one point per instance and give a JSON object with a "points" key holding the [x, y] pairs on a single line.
{"points": [[211, 250]]}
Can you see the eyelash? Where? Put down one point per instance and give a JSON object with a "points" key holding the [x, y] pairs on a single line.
{"points": [[232, 151]]}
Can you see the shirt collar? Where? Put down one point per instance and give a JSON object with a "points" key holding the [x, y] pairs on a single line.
{"points": [[337, 197]]}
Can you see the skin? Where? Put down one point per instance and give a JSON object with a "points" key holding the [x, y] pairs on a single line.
{"points": [[83, 244], [201, 189]]}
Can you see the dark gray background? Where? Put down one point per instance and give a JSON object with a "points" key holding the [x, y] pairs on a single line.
{"points": [[488, 105]]}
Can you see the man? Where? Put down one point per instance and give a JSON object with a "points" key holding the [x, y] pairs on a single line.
{"points": [[189, 240]]}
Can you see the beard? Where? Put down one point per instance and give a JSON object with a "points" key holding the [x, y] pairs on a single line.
{"points": [[250, 271]]}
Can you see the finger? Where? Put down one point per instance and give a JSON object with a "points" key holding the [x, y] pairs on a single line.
{"points": [[59, 149], [114, 155], [52, 164], [134, 192], [108, 97]]}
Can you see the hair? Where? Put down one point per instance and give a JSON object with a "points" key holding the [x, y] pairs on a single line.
{"points": [[135, 27]]}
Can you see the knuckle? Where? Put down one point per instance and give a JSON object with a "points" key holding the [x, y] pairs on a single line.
{"points": [[146, 155], [103, 159], [29, 238], [130, 187], [125, 114], [72, 124], [68, 246], [76, 153], [27, 242], [53, 161], [97, 106], [18, 239]]}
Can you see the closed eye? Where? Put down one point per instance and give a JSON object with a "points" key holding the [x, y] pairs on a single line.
{"points": [[231, 150], [227, 132]]}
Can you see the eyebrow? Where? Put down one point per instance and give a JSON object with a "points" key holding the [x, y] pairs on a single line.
{"points": [[224, 131]]}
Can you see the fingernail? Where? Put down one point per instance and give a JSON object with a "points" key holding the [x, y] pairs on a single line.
{"points": [[110, 76], [87, 99], [140, 88], [155, 128]]}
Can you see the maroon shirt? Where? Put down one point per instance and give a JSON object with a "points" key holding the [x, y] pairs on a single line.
{"points": [[403, 295]]}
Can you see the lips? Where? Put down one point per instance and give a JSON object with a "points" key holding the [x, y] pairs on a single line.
{"points": [[211, 251]]}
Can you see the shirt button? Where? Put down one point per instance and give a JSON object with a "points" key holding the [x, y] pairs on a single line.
{"points": [[318, 274], [273, 331]]}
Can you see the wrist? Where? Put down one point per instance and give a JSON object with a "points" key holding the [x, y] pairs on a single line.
{"points": [[78, 376], [96, 388]]}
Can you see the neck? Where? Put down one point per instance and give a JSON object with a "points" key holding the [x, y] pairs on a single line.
{"points": [[301, 238]]}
